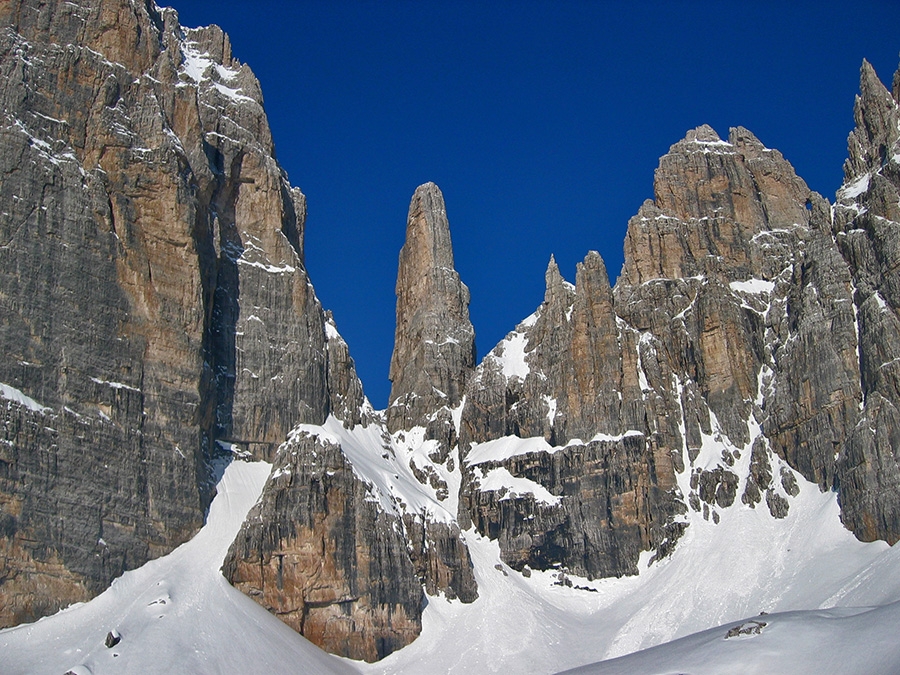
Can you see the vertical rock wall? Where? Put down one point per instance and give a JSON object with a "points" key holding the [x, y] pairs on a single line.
{"points": [[434, 346], [867, 230], [152, 290]]}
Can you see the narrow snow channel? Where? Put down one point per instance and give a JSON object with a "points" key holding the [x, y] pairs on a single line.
{"points": [[176, 614]]}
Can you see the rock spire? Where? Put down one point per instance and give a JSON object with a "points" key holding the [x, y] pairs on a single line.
{"points": [[434, 344]]}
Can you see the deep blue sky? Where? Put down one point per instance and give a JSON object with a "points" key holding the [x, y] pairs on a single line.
{"points": [[542, 122]]}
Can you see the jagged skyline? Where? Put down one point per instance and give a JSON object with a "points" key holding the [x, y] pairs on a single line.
{"points": [[730, 407], [541, 124]]}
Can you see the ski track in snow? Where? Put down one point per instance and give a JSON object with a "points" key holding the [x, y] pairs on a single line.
{"points": [[178, 614]]}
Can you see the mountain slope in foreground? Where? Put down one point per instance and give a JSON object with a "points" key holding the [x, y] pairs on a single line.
{"points": [[831, 599]]}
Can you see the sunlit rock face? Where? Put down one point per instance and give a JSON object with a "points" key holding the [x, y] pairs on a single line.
{"points": [[157, 313], [152, 290], [434, 344], [335, 547], [867, 231], [327, 561], [746, 339]]}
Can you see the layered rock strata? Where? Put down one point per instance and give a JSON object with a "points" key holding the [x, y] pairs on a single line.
{"points": [[152, 289], [325, 559], [667, 393], [434, 344], [750, 336], [867, 231]]}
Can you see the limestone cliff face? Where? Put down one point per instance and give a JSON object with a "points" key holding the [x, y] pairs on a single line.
{"points": [[152, 290], [867, 230], [324, 558], [157, 312], [355, 525], [731, 277], [434, 346], [751, 335]]}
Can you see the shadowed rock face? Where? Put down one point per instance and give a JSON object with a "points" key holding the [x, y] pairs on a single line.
{"points": [[434, 344]]}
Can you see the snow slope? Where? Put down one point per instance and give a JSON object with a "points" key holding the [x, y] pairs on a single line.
{"points": [[176, 614], [799, 643], [718, 574]]}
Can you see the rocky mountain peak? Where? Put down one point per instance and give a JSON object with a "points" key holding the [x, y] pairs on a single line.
{"points": [[166, 314], [434, 344], [866, 223], [157, 313], [711, 197], [871, 144], [558, 295]]}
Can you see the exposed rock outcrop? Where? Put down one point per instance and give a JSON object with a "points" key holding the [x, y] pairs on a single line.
{"points": [[434, 346], [633, 386], [157, 311], [752, 333], [325, 558], [867, 230], [352, 528], [152, 289]]}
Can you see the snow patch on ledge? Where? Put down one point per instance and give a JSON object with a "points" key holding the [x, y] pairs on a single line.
{"points": [[272, 269], [753, 286], [115, 385], [855, 188], [501, 480], [383, 468], [197, 64], [13, 394], [507, 447], [512, 360]]}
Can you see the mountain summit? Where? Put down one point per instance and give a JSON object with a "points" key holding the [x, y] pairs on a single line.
{"points": [[434, 345]]}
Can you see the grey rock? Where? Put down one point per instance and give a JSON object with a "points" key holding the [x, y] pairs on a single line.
{"points": [[153, 291], [434, 345], [594, 523], [718, 295], [866, 228], [778, 505], [326, 559]]}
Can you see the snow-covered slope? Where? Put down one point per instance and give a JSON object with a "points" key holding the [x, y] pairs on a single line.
{"points": [[177, 613], [749, 563], [800, 643]]}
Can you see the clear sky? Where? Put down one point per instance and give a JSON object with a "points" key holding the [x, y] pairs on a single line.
{"points": [[542, 122]]}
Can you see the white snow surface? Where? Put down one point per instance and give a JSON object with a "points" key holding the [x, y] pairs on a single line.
{"points": [[502, 480], [753, 286], [196, 65], [512, 360], [383, 464], [800, 643], [176, 614], [12, 394], [855, 188], [718, 575], [507, 447]]}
